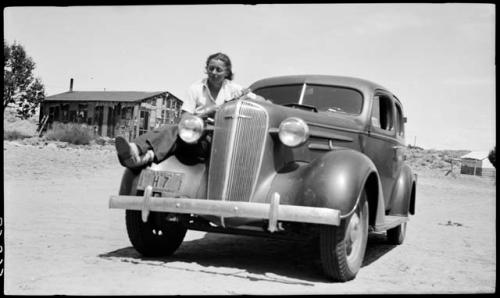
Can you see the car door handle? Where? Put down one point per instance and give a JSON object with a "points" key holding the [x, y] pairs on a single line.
{"points": [[398, 147]]}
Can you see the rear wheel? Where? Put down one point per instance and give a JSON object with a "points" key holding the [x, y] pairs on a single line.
{"points": [[156, 237], [343, 247], [397, 235]]}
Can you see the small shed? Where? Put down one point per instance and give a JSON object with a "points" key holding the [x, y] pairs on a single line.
{"points": [[112, 113], [477, 163]]}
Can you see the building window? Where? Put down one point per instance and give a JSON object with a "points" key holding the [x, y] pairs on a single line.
{"points": [[143, 122], [163, 116], [51, 114], [82, 113], [98, 116], [72, 116], [126, 113], [64, 113]]}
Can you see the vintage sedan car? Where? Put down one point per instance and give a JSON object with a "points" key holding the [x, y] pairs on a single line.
{"points": [[321, 160]]}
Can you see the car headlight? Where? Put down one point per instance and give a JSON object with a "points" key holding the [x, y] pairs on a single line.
{"points": [[293, 132], [190, 128]]}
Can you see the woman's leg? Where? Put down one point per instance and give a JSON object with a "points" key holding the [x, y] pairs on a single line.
{"points": [[152, 146], [162, 141]]}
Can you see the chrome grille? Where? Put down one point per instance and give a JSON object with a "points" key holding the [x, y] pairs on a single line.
{"points": [[237, 150]]}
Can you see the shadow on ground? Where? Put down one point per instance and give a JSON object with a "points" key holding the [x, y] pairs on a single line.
{"points": [[254, 258]]}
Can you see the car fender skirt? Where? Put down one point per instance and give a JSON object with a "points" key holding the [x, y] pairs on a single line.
{"points": [[334, 180]]}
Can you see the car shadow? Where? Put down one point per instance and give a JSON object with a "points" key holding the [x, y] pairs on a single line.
{"points": [[376, 247], [253, 258]]}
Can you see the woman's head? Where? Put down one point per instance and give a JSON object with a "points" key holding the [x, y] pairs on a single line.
{"points": [[219, 64]]}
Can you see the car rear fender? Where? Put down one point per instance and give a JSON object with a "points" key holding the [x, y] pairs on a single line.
{"points": [[402, 198]]}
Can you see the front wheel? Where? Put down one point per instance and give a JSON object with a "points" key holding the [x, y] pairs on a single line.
{"points": [[342, 248], [156, 237]]}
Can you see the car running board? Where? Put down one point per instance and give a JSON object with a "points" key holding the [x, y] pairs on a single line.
{"points": [[390, 222]]}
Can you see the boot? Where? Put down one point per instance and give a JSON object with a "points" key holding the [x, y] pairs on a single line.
{"points": [[130, 156]]}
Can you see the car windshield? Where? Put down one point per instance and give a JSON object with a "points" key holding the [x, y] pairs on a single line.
{"points": [[322, 97]]}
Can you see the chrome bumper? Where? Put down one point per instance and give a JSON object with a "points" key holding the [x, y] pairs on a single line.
{"points": [[274, 212]]}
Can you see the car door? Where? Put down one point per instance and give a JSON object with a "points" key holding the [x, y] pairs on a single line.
{"points": [[400, 138], [382, 145]]}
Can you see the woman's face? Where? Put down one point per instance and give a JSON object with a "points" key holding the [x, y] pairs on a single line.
{"points": [[216, 71]]}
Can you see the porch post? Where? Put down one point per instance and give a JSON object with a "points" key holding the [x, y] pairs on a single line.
{"points": [[104, 130]]}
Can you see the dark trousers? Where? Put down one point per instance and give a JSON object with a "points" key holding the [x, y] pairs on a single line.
{"points": [[165, 142], [162, 141]]}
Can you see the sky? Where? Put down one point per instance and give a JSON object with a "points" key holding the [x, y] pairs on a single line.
{"points": [[438, 59]]}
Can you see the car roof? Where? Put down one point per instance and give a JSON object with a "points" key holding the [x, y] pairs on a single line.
{"points": [[356, 83]]}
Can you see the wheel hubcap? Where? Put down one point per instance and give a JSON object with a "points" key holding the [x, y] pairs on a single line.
{"points": [[353, 235]]}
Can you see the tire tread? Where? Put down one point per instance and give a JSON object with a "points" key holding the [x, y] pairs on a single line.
{"points": [[147, 244]]}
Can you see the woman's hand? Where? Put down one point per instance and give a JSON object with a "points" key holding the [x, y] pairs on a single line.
{"points": [[206, 111], [239, 94], [246, 93]]}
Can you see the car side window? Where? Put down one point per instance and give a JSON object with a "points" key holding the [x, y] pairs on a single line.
{"points": [[400, 121], [382, 113]]}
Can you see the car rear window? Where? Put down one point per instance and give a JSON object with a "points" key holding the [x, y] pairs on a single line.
{"points": [[324, 98]]}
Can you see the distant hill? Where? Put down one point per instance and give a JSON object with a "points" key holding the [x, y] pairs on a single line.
{"points": [[419, 158]]}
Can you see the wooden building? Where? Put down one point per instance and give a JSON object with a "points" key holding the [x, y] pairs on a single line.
{"points": [[112, 113], [477, 164]]}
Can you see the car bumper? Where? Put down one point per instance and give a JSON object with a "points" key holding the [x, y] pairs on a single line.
{"points": [[273, 211]]}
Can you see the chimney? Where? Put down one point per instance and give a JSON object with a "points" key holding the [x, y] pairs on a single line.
{"points": [[71, 85]]}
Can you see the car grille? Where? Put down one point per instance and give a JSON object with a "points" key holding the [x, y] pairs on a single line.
{"points": [[237, 150]]}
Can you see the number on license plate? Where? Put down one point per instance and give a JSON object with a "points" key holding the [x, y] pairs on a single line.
{"points": [[160, 180]]}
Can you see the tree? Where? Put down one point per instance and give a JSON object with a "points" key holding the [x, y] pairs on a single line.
{"points": [[492, 157], [20, 88]]}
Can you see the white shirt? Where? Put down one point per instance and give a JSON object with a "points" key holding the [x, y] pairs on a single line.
{"points": [[198, 95]]}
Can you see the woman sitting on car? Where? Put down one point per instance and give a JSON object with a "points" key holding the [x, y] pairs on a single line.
{"points": [[214, 90]]}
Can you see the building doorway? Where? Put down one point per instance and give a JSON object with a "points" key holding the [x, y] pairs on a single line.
{"points": [[143, 122]]}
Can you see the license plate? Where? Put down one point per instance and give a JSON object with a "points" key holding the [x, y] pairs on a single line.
{"points": [[160, 180]]}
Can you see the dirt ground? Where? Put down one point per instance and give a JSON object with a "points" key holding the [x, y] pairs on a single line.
{"points": [[61, 238]]}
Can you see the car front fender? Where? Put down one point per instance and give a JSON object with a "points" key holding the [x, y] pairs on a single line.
{"points": [[193, 184], [335, 180], [128, 184]]}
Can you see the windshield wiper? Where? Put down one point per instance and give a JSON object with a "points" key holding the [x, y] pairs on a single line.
{"points": [[299, 106]]}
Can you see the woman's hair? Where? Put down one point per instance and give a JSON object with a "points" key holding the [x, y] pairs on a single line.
{"points": [[224, 58]]}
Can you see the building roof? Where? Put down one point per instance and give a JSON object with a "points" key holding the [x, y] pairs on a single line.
{"points": [[127, 96], [479, 155]]}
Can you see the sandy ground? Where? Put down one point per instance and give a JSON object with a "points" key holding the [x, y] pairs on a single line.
{"points": [[61, 238]]}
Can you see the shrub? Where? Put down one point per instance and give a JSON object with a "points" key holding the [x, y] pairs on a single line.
{"points": [[15, 128], [15, 135], [415, 147], [492, 157], [74, 133]]}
